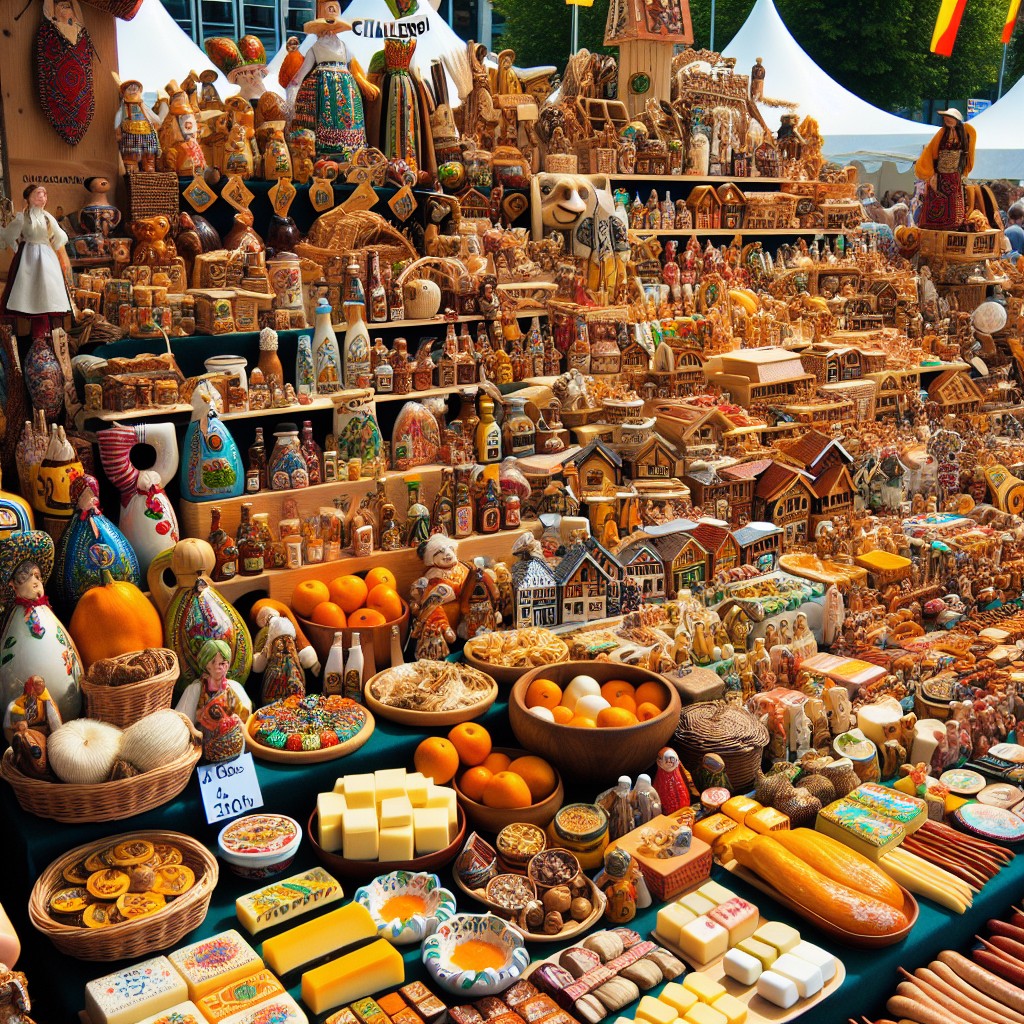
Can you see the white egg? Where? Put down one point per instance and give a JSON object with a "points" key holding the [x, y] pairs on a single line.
{"points": [[542, 712], [590, 705], [581, 686]]}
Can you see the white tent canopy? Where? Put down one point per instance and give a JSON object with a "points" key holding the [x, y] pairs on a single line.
{"points": [[153, 49], [853, 129], [999, 152]]}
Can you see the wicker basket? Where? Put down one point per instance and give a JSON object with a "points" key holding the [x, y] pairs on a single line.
{"points": [[129, 939], [341, 231], [152, 193], [733, 733], [105, 801], [124, 705]]}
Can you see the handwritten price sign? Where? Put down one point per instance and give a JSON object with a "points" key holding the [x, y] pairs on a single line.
{"points": [[230, 788]]}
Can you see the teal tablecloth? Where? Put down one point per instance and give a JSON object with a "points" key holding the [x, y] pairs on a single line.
{"points": [[57, 981]]}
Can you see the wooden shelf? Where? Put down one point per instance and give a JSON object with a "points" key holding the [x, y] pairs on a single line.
{"points": [[111, 415], [434, 321], [705, 179], [732, 232]]}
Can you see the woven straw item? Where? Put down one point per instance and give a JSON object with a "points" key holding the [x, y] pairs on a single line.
{"points": [[714, 727], [128, 939], [106, 801], [123, 705], [341, 230]]}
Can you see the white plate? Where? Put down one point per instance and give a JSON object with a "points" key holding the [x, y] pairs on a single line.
{"points": [[963, 781]]}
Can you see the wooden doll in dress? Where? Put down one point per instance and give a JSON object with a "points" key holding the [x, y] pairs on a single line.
{"points": [[35, 707], [220, 711], [432, 631], [943, 165], [669, 782], [136, 129], [479, 602]]}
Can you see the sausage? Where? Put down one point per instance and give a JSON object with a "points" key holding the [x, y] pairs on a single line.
{"points": [[974, 972], [999, 948], [948, 976], [951, 835], [974, 861], [978, 1003], [940, 999], [997, 927], [996, 965], [1008, 945], [920, 1010]]}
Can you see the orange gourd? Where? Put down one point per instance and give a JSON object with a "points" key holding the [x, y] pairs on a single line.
{"points": [[114, 618]]}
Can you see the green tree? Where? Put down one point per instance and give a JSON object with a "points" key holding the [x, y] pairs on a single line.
{"points": [[540, 31]]}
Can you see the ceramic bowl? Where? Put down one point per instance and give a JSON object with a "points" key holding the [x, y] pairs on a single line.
{"points": [[472, 984], [259, 845], [439, 905]]}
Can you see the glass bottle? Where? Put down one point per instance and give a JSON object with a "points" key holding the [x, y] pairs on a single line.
{"points": [[390, 532], [488, 506], [417, 518], [224, 549], [400, 368], [326, 354], [334, 669], [397, 657], [578, 356], [250, 546], [356, 346], [463, 502], [488, 434], [378, 294], [256, 478], [442, 515], [274, 555], [312, 453], [353, 684], [465, 361], [518, 433], [270, 361]]}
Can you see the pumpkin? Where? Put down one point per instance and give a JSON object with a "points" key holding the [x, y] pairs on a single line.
{"points": [[114, 618]]}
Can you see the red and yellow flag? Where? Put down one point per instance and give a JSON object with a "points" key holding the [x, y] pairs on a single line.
{"points": [[946, 26], [1011, 20]]}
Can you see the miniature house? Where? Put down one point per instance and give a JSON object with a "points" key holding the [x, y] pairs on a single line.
{"points": [[783, 496], [715, 538], [597, 468], [686, 562], [536, 593], [582, 586], [641, 561], [955, 393], [759, 374], [705, 208], [759, 544], [733, 202], [655, 459]]}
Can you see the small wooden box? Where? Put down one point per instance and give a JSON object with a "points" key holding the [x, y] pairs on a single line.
{"points": [[667, 877]]}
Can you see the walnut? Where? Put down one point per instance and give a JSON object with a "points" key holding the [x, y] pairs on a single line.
{"points": [[143, 878], [558, 899], [581, 908], [531, 917]]}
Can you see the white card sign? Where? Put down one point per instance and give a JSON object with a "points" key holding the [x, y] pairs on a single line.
{"points": [[229, 788]]}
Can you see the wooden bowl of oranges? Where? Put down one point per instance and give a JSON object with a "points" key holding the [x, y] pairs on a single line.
{"points": [[495, 786], [368, 605], [597, 720]]}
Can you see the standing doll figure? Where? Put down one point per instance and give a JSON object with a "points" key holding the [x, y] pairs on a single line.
{"points": [[943, 165], [669, 782], [135, 129], [331, 88], [245, 64], [221, 704], [36, 287], [479, 604], [283, 675], [35, 707], [401, 132], [99, 215], [623, 886], [432, 631], [179, 136]]}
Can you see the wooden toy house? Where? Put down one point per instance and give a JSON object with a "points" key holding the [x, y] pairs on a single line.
{"points": [[536, 593], [686, 562], [734, 202], [758, 375], [886, 297], [715, 537], [783, 496], [582, 586], [955, 393], [594, 467], [759, 545], [705, 208], [641, 561], [655, 459]]}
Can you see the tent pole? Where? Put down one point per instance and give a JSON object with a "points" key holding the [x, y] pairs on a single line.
{"points": [[575, 41], [711, 43], [1002, 71]]}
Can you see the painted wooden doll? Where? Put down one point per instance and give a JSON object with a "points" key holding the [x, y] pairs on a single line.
{"points": [[135, 129], [283, 675]]}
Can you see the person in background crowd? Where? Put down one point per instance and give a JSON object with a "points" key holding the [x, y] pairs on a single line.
{"points": [[1015, 232]]}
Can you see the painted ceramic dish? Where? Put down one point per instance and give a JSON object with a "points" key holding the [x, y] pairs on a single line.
{"points": [[308, 730], [1001, 794], [259, 845], [473, 955], [963, 781], [406, 906], [995, 823]]}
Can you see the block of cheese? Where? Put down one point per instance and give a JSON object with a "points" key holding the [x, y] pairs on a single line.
{"points": [[782, 936], [214, 962], [766, 820], [805, 976], [181, 1013], [239, 995], [281, 1009], [820, 958], [716, 893], [330, 807], [287, 899], [430, 828], [339, 785], [695, 902], [313, 940], [731, 1008], [359, 834], [670, 921], [655, 1011], [703, 986], [360, 791], [394, 811], [135, 992], [388, 782], [369, 969], [738, 917], [416, 786], [679, 998], [738, 807], [859, 827], [742, 967], [909, 811], [777, 989], [704, 1014], [712, 827], [396, 843], [444, 796], [761, 951], [702, 940]]}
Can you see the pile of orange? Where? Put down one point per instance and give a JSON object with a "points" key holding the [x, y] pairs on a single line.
{"points": [[487, 776], [351, 602], [620, 704]]}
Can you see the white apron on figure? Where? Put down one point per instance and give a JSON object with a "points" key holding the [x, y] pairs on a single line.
{"points": [[38, 285]]}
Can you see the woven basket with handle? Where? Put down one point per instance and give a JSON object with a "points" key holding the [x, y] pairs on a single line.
{"points": [[444, 272], [123, 705], [342, 231], [127, 939]]}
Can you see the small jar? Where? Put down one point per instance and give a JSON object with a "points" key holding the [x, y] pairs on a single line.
{"points": [[583, 830], [518, 842], [478, 169]]}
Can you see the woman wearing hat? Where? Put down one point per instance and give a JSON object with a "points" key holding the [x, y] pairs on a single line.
{"points": [[943, 165]]}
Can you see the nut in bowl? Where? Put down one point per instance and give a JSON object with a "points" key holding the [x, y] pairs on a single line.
{"points": [[406, 906], [473, 955]]}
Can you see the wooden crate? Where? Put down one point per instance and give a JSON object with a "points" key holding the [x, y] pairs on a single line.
{"points": [[961, 245]]}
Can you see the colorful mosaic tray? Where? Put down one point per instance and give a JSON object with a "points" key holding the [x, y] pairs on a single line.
{"points": [[304, 730]]}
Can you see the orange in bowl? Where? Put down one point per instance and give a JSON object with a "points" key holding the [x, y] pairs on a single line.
{"points": [[543, 692], [436, 758], [380, 577], [507, 790], [562, 715], [307, 595], [616, 688], [327, 613], [348, 591], [615, 718], [384, 598], [496, 762], [646, 711], [473, 781], [538, 775], [365, 617], [472, 741], [652, 693]]}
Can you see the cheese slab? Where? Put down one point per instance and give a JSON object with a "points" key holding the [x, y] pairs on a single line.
{"points": [[239, 995], [180, 1013], [312, 940], [214, 962], [360, 973], [141, 990], [281, 1009], [286, 900]]}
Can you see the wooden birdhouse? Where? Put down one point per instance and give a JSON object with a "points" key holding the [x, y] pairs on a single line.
{"points": [[705, 207], [733, 202]]}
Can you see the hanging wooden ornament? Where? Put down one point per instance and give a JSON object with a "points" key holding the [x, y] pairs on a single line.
{"points": [[281, 195], [363, 198], [236, 194], [403, 203], [198, 194], [321, 194], [64, 55]]}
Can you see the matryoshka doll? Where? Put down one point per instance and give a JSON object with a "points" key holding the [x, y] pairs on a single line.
{"points": [[34, 641], [212, 467], [89, 537]]}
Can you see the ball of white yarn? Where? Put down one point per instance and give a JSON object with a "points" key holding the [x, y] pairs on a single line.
{"points": [[155, 740], [84, 750]]}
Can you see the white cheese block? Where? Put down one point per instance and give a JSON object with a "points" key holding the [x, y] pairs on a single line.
{"points": [[777, 989], [804, 975], [360, 790], [820, 958], [359, 833], [135, 992], [701, 940], [742, 967]]}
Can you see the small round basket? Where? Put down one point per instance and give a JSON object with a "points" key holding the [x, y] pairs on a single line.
{"points": [[105, 801], [128, 939], [714, 727], [124, 705]]}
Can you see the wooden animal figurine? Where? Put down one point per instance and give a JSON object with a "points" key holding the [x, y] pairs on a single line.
{"points": [[432, 630], [152, 245]]}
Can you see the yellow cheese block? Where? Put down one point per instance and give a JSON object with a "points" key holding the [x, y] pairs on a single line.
{"points": [[430, 825], [359, 833], [738, 807], [670, 921], [703, 986], [290, 897], [731, 1008], [444, 796], [655, 1011], [680, 999], [396, 843], [389, 782], [360, 790], [766, 820], [704, 1014], [373, 968], [395, 811], [708, 829], [317, 938], [416, 786], [330, 807]]}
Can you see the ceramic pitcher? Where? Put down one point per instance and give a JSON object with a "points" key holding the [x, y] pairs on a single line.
{"points": [[194, 611]]}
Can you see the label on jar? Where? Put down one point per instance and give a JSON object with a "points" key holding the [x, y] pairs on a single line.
{"points": [[333, 684], [490, 520], [252, 565]]}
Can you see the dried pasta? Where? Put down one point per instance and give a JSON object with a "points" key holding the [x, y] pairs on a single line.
{"points": [[431, 686], [518, 648]]}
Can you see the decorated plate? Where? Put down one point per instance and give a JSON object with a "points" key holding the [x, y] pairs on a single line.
{"points": [[963, 781], [995, 823], [1001, 794], [1008, 752]]}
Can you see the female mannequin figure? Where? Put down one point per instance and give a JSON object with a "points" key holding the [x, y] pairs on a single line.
{"points": [[943, 165], [401, 128]]}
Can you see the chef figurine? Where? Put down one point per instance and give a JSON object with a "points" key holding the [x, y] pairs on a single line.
{"points": [[669, 782], [34, 707]]}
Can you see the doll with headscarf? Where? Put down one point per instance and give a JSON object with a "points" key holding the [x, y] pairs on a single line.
{"points": [[944, 164], [216, 704]]}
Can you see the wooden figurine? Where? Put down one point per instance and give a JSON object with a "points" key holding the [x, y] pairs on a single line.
{"points": [[179, 136], [136, 129], [479, 602], [278, 660], [34, 708], [221, 704], [432, 630]]}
